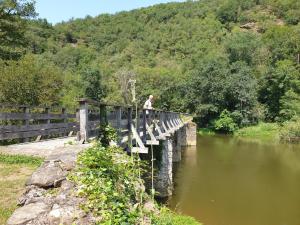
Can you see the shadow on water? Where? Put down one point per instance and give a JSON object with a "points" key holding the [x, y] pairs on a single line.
{"points": [[231, 181]]}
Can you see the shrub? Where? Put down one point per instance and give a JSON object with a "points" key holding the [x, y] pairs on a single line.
{"points": [[290, 131], [225, 123], [107, 134], [109, 180]]}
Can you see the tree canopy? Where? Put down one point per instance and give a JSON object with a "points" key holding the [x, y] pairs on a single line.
{"points": [[201, 57]]}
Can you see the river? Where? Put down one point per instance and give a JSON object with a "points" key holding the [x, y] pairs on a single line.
{"points": [[230, 181]]}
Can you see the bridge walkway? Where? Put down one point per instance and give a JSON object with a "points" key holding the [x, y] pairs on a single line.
{"points": [[45, 148]]}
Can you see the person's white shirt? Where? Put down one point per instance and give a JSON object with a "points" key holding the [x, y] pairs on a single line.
{"points": [[148, 105]]}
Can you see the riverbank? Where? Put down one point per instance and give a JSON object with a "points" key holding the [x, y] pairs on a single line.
{"points": [[262, 131], [14, 171]]}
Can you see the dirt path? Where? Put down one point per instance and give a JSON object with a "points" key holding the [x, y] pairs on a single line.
{"points": [[45, 148]]}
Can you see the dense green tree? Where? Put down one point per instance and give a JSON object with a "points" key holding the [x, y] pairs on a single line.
{"points": [[243, 46], [290, 105], [283, 42], [92, 84], [13, 26], [30, 81], [201, 57], [206, 89], [39, 35], [277, 82]]}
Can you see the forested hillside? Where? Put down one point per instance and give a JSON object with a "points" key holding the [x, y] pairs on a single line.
{"points": [[200, 57]]}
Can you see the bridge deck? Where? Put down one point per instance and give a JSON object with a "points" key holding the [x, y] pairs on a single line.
{"points": [[45, 148]]}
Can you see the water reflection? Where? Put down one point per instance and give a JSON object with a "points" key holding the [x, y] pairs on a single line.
{"points": [[229, 181]]}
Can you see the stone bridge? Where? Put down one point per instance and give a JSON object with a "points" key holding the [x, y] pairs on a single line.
{"points": [[46, 131]]}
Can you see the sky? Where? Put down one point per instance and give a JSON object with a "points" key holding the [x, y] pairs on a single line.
{"points": [[62, 10]]}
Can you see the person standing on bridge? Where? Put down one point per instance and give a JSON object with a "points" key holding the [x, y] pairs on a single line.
{"points": [[148, 104]]}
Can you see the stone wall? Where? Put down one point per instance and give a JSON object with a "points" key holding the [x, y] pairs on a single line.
{"points": [[49, 197]]}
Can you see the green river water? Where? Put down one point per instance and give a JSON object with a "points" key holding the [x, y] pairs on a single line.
{"points": [[229, 181]]}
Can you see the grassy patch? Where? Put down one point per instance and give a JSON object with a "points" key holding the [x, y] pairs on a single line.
{"points": [[267, 131], [14, 171], [168, 217], [20, 159], [206, 132]]}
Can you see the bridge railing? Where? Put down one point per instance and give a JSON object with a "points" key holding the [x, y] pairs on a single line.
{"points": [[27, 123], [135, 127]]}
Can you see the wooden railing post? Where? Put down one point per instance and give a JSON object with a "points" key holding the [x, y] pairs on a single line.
{"points": [[144, 126], [63, 111], [138, 121], [169, 125], [118, 121], [173, 119], [162, 120], [83, 121], [151, 115], [47, 112], [65, 119], [77, 118], [26, 121], [103, 115], [129, 127]]}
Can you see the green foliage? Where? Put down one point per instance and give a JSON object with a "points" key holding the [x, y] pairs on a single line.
{"points": [[107, 134], [225, 123], [13, 27], [20, 159], [290, 131], [243, 46], [208, 77], [241, 90], [29, 81], [108, 178], [94, 89], [206, 132], [266, 131], [279, 89], [200, 57], [169, 218]]}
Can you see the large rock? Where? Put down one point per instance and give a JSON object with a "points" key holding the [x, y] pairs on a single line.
{"points": [[50, 174], [32, 194], [27, 213], [61, 215], [66, 160]]}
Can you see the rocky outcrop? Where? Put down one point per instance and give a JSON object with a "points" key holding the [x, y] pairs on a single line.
{"points": [[49, 198], [28, 213]]}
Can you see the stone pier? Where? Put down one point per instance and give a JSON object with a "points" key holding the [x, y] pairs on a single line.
{"points": [[177, 145], [164, 183], [191, 134], [171, 152]]}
